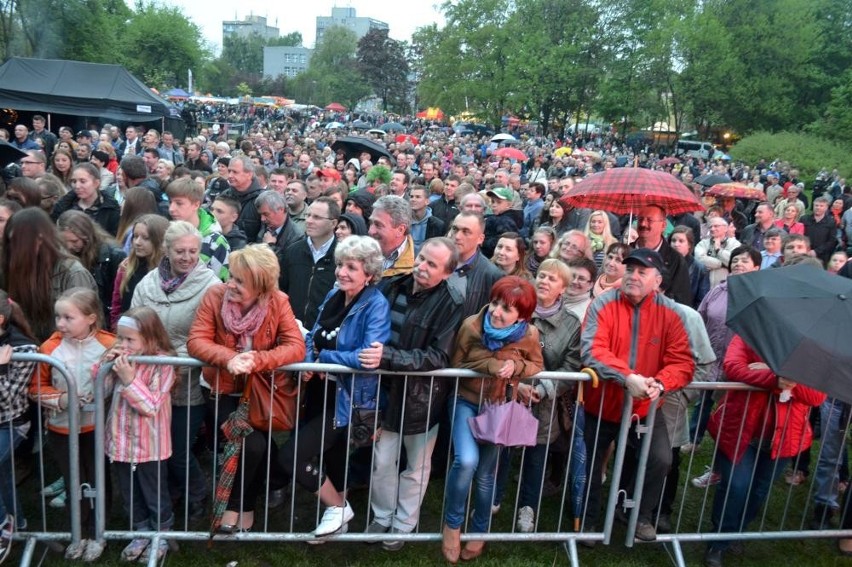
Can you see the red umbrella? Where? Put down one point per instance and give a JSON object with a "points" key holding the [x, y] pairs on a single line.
{"points": [[738, 190], [336, 107], [512, 153], [668, 161], [626, 190], [402, 138]]}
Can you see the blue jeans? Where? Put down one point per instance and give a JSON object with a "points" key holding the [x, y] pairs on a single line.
{"points": [[532, 472], [10, 437], [834, 416], [183, 462], [701, 411], [747, 492], [471, 461]]}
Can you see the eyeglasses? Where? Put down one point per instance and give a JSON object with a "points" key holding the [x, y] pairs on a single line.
{"points": [[317, 217], [648, 220], [30, 162]]}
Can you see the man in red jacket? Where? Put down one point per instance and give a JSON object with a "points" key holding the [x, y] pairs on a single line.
{"points": [[636, 341]]}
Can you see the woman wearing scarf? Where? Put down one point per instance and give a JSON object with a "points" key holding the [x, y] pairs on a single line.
{"points": [[612, 269], [500, 343], [244, 327], [174, 291], [353, 316]]}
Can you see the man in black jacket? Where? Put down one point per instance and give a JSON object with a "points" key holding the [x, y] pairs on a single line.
{"points": [[649, 225], [425, 315], [821, 229], [245, 189], [307, 272], [475, 274]]}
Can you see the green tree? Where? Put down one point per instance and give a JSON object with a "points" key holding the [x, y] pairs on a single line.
{"points": [[382, 63], [159, 44], [465, 64], [245, 53], [84, 30], [332, 74]]}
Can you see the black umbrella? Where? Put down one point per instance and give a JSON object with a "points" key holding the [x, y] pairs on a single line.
{"points": [[352, 146], [799, 320], [9, 153], [711, 179], [361, 125], [392, 127]]}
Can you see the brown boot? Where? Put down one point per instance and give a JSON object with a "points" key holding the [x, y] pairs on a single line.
{"points": [[451, 546], [472, 550]]}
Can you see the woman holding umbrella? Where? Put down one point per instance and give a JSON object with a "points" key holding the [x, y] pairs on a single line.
{"points": [[243, 328], [500, 343], [757, 433]]}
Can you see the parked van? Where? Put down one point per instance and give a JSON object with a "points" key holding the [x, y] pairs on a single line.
{"points": [[695, 149]]}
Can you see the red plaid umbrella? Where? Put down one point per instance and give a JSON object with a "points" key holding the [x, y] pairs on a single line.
{"points": [[668, 161], [235, 429], [738, 190], [511, 153], [626, 190]]}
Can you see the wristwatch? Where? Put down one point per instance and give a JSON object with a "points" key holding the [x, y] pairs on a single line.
{"points": [[661, 387]]}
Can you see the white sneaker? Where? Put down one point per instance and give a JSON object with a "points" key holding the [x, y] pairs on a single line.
{"points": [[75, 551], [59, 500], [94, 550], [333, 519], [526, 520], [343, 530], [709, 478]]}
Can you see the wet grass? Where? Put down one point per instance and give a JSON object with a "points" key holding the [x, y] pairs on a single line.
{"points": [[787, 509]]}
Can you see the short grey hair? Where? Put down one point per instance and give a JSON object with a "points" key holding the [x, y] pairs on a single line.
{"points": [[177, 230], [246, 161], [397, 209], [362, 249], [272, 199]]}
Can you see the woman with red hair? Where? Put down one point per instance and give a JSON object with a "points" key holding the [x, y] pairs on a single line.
{"points": [[500, 343]]}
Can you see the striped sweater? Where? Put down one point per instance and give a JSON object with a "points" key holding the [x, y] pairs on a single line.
{"points": [[139, 422]]}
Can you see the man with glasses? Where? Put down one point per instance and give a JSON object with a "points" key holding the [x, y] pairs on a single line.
{"points": [[34, 165], [650, 225]]}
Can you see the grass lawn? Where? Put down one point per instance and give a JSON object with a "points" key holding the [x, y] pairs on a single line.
{"points": [[786, 510]]}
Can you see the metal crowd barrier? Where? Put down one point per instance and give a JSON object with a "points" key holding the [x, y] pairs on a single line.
{"points": [[295, 528], [296, 523], [37, 528], [788, 511]]}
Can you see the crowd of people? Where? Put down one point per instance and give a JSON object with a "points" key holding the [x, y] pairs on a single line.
{"points": [[250, 254]]}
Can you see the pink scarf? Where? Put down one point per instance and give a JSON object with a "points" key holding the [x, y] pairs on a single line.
{"points": [[243, 326]]}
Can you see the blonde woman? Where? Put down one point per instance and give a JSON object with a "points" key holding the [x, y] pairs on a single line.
{"points": [[600, 235]]}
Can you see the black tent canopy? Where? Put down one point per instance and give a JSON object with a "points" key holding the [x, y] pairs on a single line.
{"points": [[82, 89]]}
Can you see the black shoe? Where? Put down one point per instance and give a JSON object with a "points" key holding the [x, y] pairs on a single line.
{"points": [[823, 515], [664, 524], [276, 498], [713, 557], [198, 510]]}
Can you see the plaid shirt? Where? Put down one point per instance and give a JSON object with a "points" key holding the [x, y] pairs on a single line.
{"points": [[14, 382]]}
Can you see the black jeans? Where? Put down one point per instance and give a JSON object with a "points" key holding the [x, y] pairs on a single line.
{"points": [[659, 461]]}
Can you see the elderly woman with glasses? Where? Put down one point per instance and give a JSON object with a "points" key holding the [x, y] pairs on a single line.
{"points": [[714, 252]]}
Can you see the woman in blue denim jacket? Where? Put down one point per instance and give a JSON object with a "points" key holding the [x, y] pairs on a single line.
{"points": [[353, 315]]}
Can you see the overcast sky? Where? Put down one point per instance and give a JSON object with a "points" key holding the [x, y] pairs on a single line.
{"points": [[403, 17]]}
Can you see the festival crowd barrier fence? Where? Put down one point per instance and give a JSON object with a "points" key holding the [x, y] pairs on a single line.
{"points": [[289, 514]]}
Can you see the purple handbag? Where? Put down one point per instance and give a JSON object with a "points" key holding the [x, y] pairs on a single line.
{"points": [[510, 424]]}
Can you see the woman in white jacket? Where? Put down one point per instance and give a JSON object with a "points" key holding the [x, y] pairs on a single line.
{"points": [[174, 290], [714, 252]]}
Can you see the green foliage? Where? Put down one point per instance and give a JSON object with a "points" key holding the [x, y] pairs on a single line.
{"points": [[806, 152], [333, 75], [160, 44], [382, 63]]}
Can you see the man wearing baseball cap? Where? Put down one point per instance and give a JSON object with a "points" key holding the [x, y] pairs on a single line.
{"points": [[636, 340]]}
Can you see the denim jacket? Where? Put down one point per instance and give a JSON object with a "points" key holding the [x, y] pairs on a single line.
{"points": [[368, 321]]}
